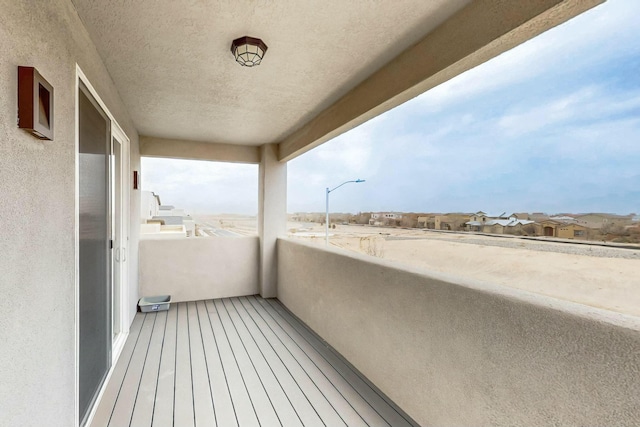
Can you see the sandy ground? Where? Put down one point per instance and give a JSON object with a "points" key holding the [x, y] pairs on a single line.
{"points": [[602, 277], [606, 278], [240, 224]]}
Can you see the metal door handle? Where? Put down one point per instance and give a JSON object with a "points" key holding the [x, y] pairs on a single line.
{"points": [[124, 255], [117, 254]]}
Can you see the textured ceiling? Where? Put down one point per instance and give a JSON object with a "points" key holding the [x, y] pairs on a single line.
{"points": [[171, 61]]}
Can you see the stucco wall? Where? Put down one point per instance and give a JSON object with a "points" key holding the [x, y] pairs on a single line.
{"points": [[453, 352], [192, 269], [134, 228], [37, 213]]}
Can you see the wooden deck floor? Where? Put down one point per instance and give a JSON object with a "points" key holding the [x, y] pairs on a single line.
{"points": [[236, 362]]}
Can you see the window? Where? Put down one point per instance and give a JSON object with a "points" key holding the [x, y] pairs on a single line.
{"points": [[199, 198]]}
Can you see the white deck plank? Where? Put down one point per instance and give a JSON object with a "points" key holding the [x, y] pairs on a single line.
{"points": [[143, 410], [224, 410], [162, 415], [376, 400], [327, 413], [123, 409], [301, 402], [273, 382], [108, 401], [236, 362], [245, 412], [335, 393], [202, 399], [183, 407], [261, 402]]}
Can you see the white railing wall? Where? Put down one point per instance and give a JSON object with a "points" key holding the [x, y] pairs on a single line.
{"points": [[454, 352], [192, 269]]}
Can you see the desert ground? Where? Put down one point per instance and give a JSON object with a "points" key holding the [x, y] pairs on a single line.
{"points": [[606, 277], [597, 276]]}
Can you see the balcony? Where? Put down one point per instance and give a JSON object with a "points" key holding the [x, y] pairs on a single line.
{"points": [[447, 351], [159, 81], [236, 362]]}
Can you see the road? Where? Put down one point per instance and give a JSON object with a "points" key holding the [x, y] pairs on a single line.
{"points": [[211, 230]]}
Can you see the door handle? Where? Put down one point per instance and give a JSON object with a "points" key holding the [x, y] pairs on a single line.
{"points": [[117, 254], [124, 254]]}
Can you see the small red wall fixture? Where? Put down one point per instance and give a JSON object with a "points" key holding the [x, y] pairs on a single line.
{"points": [[35, 103]]}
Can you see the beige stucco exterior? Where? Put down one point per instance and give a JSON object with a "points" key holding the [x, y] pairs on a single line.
{"points": [[573, 231], [197, 150], [597, 221], [454, 222], [193, 269], [272, 214], [455, 352], [38, 262], [291, 103], [547, 228]]}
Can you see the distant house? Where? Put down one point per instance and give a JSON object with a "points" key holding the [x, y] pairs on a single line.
{"points": [[385, 218], [505, 226], [478, 216], [494, 223], [548, 228], [564, 219], [428, 221], [149, 205], [514, 216], [599, 220], [476, 221], [393, 215], [451, 221], [383, 215], [474, 225], [163, 221], [573, 231]]}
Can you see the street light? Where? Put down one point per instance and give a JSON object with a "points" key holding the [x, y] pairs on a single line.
{"points": [[326, 225]]}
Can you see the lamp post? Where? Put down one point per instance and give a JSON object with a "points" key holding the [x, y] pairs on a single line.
{"points": [[326, 225]]}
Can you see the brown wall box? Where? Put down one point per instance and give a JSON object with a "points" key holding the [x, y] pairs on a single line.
{"points": [[35, 103]]}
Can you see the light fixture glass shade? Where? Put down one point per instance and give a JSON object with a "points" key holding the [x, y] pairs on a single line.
{"points": [[248, 51]]}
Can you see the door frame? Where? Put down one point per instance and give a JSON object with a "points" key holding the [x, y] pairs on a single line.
{"points": [[123, 256], [123, 302]]}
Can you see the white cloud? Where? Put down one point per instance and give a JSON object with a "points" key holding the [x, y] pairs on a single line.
{"points": [[549, 114], [201, 186], [607, 32], [582, 107]]}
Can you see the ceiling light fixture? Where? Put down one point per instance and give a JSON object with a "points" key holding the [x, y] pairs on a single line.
{"points": [[248, 51]]}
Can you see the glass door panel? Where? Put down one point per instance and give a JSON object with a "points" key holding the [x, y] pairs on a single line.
{"points": [[95, 291]]}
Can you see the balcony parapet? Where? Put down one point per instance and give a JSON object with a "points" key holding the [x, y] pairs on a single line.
{"points": [[193, 269], [451, 351]]}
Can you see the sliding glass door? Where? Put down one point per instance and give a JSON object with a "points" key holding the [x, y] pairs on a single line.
{"points": [[95, 267]]}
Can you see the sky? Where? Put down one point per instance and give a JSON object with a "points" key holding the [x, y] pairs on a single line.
{"points": [[202, 187], [552, 126]]}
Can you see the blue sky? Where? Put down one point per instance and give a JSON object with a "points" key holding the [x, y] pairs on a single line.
{"points": [[551, 126]]}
